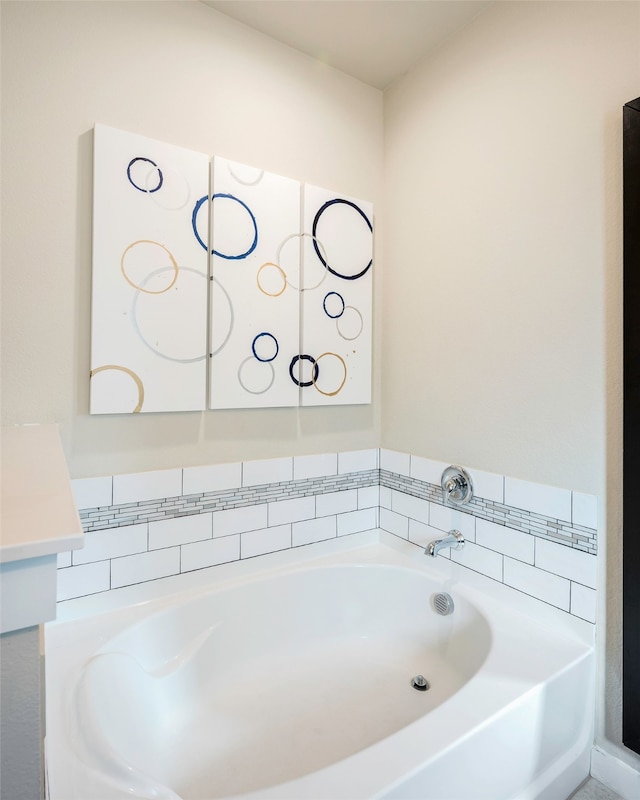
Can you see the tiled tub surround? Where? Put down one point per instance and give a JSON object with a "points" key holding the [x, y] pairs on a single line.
{"points": [[537, 539]]}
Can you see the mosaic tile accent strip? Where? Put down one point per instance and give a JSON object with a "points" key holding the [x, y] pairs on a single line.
{"points": [[555, 530], [116, 516]]}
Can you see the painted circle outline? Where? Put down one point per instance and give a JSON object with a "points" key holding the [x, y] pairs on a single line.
{"points": [[254, 182], [344, 380], [131, 374], [194, 214], [174, 206], [300, 236], [280, 270], [146, 189], [253, 347], [350, 338], [314, 375], [314, 228], [174, 266], [136, 327], [252, 391], [230, 331], [324, 306]]}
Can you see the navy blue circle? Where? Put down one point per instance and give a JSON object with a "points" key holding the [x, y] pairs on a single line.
{"points": [[316, 369], [321, 211], [253, 346], [240, 256], [324, 305], [144, 188]]}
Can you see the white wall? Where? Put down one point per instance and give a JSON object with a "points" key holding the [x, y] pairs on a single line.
{"points": [[502, 290], [185, 74]]}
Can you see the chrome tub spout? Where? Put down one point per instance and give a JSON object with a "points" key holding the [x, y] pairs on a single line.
{"points": [[454, 540]]}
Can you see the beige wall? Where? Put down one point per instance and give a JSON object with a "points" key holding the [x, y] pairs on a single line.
{"points": [[502, 288], [182, 73]]}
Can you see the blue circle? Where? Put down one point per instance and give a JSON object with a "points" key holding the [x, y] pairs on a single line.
{"points": [[239, 256], [316, 369], [253, 346], [144, 188], [324, 305], [321, 210]]}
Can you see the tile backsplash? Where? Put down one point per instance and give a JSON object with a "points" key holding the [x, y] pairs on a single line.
{"points": [[538, 539]]}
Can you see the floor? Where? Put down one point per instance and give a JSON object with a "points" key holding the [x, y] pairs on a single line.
{"points": [[594, 790]]}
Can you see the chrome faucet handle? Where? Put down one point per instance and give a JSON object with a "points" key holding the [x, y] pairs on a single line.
{"points": [[456, 484]]}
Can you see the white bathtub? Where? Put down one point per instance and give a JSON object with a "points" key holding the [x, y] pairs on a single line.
{"points": [[289, 677]]}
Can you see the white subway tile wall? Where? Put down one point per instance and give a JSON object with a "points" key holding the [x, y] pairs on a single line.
{"points": [[84, 579], [584, 510], [506, 541], [357, 521], [146, 486], [479, 559], [369, 497], [394, 523], [448, 519], [583, 602], [313, 530], [424, 469], [210, 553], [357, 461], [103, 545], [273, 470], [421, 534], [408, 506], [544, 585], [315, 466], [265, 540], [393, 461], [295, 510], [572, 564], [239, 520], [213, 478], [538, 539], [536, 497], [336, 502], [145, 567], [93, 492], [488, 485], [179, 530]]}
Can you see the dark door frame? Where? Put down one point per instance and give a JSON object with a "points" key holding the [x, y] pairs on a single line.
{"points": [[631, 435]]}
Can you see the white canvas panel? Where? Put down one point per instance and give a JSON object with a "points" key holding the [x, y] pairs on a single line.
{"points": [[149, 292], [255, 219], [336, 348]]}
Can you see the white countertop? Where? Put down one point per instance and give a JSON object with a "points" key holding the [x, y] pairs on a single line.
{"points": [[38, 512]]}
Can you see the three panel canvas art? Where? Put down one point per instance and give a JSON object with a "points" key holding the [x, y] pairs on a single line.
{"points": [[218, 285]]}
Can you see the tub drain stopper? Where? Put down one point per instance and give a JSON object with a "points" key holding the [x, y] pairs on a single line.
{"points": [[420, 683]]}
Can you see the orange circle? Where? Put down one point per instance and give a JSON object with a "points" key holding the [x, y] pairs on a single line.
{"points": [[129, 372], [280, 270], [344, 380], [174, 263]]}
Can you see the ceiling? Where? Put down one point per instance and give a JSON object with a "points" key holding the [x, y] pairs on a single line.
{"points": [[375, 41]]}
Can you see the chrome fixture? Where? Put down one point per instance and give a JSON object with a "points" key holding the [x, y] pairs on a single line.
{"points": [[442, 603], [454, 540], [457, 488], [420, 683]]}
